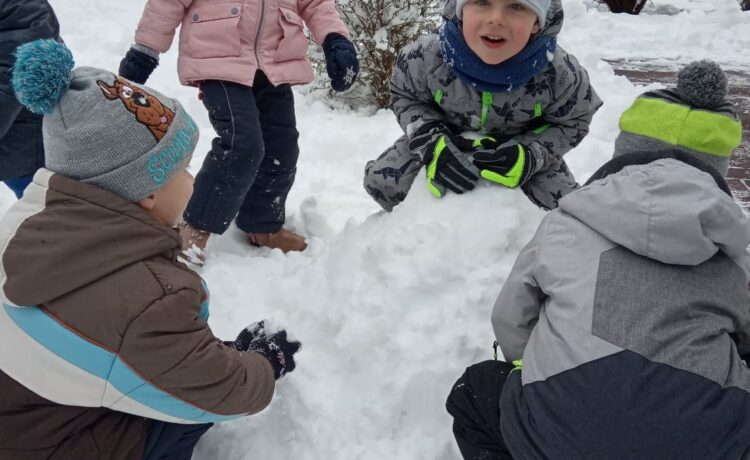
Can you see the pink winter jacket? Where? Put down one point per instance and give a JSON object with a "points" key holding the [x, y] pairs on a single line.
{"points": [[230, 40]]}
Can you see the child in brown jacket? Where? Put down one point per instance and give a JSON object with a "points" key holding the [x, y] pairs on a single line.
{"points": [[105, 349]]}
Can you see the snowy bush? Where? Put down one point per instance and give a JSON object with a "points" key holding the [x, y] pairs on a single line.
{"points": [[625, 6], [379, 28]]}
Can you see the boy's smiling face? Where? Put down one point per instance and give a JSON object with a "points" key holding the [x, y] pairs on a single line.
{"points": [[497, 30]]}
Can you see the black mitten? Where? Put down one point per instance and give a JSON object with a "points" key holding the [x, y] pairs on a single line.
{"points": [[137, 66], [275, 347], [342, 64]]}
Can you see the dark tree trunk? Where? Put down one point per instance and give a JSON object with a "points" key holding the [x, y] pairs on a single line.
{"points": [[745, 5], [627, 6]]}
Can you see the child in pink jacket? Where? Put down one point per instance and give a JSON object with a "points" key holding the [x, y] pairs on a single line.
{"points": [[244, 55]]}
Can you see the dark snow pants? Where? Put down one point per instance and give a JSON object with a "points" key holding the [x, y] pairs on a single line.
{"points": [[474, 403], [172, 441], [250, 169], [21, 145]]}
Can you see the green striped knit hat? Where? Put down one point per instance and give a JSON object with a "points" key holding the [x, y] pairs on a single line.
{"points": [[695, 117]]}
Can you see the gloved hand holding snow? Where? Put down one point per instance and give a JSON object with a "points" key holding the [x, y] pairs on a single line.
{"points": [[506, 164], [274, 346]]}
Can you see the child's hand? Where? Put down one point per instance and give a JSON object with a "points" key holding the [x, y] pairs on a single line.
{"points": [[341, 61], [507, 164], [449, 167], [276, 347], [137, 66]]}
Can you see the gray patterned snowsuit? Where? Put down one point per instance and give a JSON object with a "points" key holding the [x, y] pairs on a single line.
{"points": [[549, 115]]}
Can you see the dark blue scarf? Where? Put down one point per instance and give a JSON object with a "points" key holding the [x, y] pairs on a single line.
{"points": [[506, 76]]}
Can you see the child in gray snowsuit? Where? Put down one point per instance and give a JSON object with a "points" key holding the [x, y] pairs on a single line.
{"points": [[493, 68]]}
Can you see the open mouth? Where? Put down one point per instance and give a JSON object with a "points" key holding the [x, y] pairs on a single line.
{"points": [[493, 41]]}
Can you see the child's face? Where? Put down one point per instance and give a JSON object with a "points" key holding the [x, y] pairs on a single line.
{"points": [[168, 203], [497, 30]]}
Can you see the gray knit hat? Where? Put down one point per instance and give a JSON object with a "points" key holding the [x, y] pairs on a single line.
{"points": [[539, 7], [100, 128], [694, 117]]}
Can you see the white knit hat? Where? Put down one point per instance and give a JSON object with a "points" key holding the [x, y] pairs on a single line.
{"points": [[539, 7]]}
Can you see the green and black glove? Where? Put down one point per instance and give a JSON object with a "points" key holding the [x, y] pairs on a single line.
{"points": [[449, 166], [447, 158], [506, 164]]}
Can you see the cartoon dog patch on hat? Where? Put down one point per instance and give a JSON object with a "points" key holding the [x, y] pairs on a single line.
{"points": [[148, 109]]}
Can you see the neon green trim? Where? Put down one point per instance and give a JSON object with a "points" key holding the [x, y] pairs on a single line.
{"points": [[517, 364], [432, 167], [538, 110], [478, 142], [513, 178], [541, 129], [699, 130], [486, 104], [439, 96]]}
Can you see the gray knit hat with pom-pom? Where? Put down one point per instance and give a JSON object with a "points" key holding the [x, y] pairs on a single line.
{"points": [[99, 128], [694, 117]]}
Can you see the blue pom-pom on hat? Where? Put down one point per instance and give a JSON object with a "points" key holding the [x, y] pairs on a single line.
{"points": [[41, 74]]}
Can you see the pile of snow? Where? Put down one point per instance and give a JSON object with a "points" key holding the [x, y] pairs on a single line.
{"points": [[390, 307]]}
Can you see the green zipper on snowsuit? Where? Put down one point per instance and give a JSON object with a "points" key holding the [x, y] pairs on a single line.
{"points": [[538, 112], [487, 99], [439, 96], [486, 104]]}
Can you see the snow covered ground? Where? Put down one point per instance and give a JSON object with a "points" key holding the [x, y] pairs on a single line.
{"points": [[390, 307], [669, 31]]}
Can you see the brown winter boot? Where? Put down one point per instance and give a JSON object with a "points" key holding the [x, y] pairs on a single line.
{"points": [[283, 239], [193, 243]]}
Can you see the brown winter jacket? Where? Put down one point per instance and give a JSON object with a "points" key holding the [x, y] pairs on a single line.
{"points": [[102, 329]]}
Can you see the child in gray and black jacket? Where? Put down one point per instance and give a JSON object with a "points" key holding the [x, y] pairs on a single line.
{"points": [[625, 319], [493, 68]]}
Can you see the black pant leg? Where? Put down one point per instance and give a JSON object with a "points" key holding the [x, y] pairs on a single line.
{"points": [[230, 168], [22, 148], [172, 441], [264, 210], [474, 403]]}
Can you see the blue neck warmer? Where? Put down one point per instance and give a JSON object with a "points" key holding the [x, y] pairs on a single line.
{"points": [[505, 76]]}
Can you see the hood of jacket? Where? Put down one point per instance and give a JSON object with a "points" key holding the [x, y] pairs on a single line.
{"points": [[666, 210], [551, 28], [65, 234]]}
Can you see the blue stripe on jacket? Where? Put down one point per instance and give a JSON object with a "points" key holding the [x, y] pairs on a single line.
{"points": [[204, 304], [104, 364]]}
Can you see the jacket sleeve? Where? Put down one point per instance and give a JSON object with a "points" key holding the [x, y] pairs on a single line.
{"points": [[192, 372], [9, 110], [568, 116], [19, 23], [411, 98], [743, 336], [159, 21], [516, 310], [322, 18]]}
